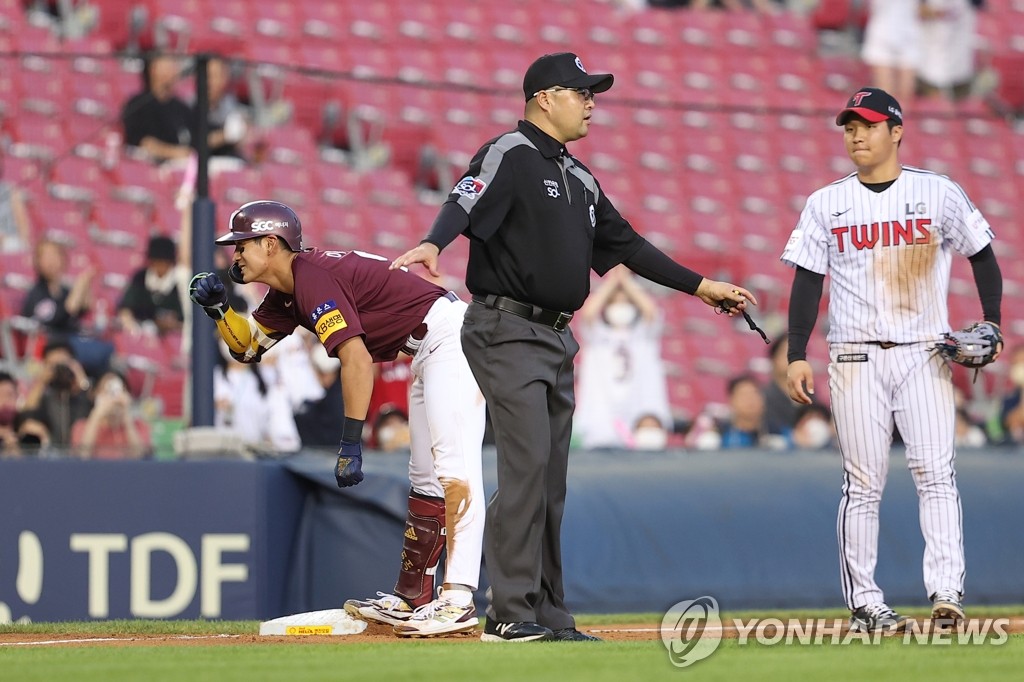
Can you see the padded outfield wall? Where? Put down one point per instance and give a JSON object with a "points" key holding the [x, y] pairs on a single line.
{"points": [[236, 540]]}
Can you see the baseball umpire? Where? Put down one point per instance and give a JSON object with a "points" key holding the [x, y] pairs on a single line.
{"points": [[363, 312], [538, 222]]}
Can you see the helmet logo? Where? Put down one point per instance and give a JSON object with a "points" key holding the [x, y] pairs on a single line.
{"points": [[267, 225]]}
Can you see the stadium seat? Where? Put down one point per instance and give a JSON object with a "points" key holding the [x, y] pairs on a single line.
{"points": [[125, 223], [87, 174], [65, 218]]}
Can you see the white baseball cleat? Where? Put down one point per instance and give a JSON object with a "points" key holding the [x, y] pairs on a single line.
{"points": [[439, 617], [388, 609]]}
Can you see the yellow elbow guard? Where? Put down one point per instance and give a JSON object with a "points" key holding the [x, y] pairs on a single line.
{"points": [[235, 331], [246, 337]]}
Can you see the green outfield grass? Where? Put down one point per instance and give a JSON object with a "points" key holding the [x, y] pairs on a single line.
{"points": [[450, 661]]}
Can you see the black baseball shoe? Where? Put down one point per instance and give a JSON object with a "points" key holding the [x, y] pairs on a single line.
{"points": [[573, 635], [514, 632], [877, 617]]}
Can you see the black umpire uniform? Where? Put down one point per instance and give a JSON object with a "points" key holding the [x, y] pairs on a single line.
{"points": [[538, 222]]}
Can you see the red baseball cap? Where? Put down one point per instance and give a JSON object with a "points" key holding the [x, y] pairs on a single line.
{"points": [[873, 105]]}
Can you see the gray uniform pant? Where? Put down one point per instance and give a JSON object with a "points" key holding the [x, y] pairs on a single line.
{"points": [[525, 371]]}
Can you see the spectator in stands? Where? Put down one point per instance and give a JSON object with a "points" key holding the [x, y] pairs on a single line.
{"points": [[745, 427], [649, 433], [812, 428], [391, 382], [9, 445], [55, 305], [111, 431], [780, 411], [14, 220], [621, 373], [60, 395], [892, 46], [968, 433], [152, 301], [317, 420], [59, 308], [19, 433], [391, 429], [948, 34], [227, 119], [249, 403], [156, 120], [1012, 411]]}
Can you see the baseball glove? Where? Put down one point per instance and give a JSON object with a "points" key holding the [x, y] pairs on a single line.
{"points": [[974, 346]]}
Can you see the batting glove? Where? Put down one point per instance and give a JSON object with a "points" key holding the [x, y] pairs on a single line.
{"points": [[208, 291], [349, 469]]}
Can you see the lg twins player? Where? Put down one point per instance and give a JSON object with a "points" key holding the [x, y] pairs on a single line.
{"points": [[886, 235]]}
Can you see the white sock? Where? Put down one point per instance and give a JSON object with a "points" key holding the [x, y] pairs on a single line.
{"points": [[459, 597]]}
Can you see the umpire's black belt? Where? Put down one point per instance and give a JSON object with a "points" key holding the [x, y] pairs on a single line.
{"points": [[884, 344], [550, 318]]}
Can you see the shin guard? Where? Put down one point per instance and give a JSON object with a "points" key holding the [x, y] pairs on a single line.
{"points": [[421, 552]]}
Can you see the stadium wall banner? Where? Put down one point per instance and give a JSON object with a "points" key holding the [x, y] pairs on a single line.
{"points": [[108, 540], [641, 532]]}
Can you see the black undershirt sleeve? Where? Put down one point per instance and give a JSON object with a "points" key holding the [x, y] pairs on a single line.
{"points": [[451, 221], [989, 281], [803, 311], [650, 263]]}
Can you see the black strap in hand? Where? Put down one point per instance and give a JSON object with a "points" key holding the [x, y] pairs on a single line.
{"points": [[725, 306]]}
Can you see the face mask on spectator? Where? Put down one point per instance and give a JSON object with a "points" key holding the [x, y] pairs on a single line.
{"points": [[816, 433], [620, 314], [650, 438]]}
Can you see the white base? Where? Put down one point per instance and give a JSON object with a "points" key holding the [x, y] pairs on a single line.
{"points": [[330, 622]]}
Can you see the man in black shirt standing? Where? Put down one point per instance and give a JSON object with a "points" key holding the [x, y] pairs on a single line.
{"points": [[538, 222]]}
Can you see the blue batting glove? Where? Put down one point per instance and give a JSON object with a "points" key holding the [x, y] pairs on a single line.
{"points": [[207, 290], [349, 469]]}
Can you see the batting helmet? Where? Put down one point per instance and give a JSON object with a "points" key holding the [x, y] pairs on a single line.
{"points": [[260, 218]]}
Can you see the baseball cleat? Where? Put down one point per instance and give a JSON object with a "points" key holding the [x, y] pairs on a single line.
{"points": [[946, 607], [389, 609], [573, 635], [515, 632], [877, 617], [439, 617]]}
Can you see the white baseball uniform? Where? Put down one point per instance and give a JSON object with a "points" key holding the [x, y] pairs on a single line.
{"points": [[889, 255]]}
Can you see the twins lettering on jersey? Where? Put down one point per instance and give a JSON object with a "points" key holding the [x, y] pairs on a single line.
{"points": [[327, 319], [887, 233]]}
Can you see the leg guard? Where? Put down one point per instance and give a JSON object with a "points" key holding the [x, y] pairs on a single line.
{"points": [[424, 540]]}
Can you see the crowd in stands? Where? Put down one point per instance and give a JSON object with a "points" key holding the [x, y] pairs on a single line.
{"points": [[85, 347]]}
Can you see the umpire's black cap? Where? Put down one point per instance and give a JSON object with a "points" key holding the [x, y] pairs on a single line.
{"points": [[873, 105], [564, 69]]}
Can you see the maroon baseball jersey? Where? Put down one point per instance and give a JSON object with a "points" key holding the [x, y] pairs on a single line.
{"points": [[339, 295]]}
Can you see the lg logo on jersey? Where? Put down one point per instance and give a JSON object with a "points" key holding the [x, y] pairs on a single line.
{"points": [[919, 209], [266, 225]]}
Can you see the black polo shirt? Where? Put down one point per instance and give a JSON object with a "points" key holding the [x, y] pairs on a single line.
{"points": [[538, 222]]}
